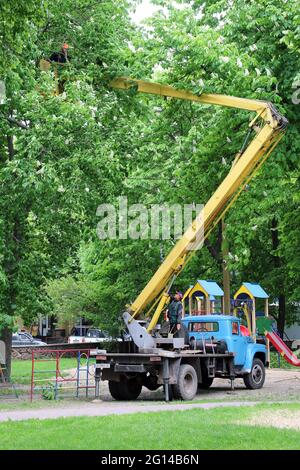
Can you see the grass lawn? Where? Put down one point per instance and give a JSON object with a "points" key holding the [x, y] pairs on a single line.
{"points": [[283, 363], [21, 370], [222, 428], [25, 404]]}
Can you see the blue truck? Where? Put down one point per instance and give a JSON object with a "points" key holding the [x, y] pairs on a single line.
{"points": [[208, 347], [222, 333]]}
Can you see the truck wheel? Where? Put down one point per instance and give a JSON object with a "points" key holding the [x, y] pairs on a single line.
{"points": [[256, 378], [114, 388], [187, 384], [126, 389]]}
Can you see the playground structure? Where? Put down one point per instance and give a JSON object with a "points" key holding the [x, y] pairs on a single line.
{"points": [[204, 298], [282, 348], [250, 303]]}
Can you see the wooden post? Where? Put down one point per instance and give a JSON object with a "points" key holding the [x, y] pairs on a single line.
{"points": [[254, 321], [190, 305], [198, 304]]}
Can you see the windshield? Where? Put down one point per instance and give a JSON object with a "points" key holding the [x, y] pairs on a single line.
{"points": [[96, 334], [204, 327]]}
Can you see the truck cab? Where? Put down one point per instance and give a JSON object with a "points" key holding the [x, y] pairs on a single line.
{"points": [[222, 333]]}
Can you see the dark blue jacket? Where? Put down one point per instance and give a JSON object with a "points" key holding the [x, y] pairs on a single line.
{"points": [[175, 311]]}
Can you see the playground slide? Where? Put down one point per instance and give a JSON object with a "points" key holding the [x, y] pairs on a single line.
{"points": [[282, 348]]}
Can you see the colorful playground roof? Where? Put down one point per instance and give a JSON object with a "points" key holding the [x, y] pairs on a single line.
{"points": [[211, 287], [187, 292], [255, 290]]}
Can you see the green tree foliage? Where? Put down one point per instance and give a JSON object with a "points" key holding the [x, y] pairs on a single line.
{"points": [[261, 225], [63, 155], [241, 48]]}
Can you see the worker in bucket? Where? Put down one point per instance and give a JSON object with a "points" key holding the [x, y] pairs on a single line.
{"points": [[62, 56], [174, 312]]}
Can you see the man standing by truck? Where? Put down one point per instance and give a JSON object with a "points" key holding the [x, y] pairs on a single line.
{"points": [[174, 312]]}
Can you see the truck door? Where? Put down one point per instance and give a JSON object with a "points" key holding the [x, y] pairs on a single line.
{"points": [[239, 343]]}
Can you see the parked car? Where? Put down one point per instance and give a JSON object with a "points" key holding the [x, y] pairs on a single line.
{"points": [[25, 339], [93, 335]]}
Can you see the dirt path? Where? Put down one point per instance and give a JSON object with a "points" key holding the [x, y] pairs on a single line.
{"points": [[280, 385], [283, 419], [101, 408]]}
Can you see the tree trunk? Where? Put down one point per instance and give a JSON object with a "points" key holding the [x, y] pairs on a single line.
{"points": [[10, 267], [281, 315], [226, 273], [278, 264], [6, 336], [219, 251]]}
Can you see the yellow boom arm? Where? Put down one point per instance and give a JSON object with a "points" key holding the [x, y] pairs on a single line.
{"points": [[245, 165]]}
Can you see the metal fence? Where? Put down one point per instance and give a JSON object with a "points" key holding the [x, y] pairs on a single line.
{"points": [[60, 373]]}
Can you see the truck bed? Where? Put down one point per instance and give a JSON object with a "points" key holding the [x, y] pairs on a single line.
{"points": [[142, 356]]}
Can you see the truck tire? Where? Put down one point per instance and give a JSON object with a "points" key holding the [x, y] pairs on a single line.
{"points": [[114, 389], [256, 378], [187, 383], [126, 389]]}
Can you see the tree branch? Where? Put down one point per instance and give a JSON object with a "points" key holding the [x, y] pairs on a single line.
{"points": [[17, 123], [212, 250]]}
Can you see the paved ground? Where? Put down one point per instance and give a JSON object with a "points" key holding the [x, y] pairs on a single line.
{"points": [[280, 386], [99, 408]]}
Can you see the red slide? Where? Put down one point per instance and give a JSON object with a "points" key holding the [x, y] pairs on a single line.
{"points": [[282, 348]]}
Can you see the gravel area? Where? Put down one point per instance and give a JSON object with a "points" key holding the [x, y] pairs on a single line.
{"points": [[280, 385]]}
